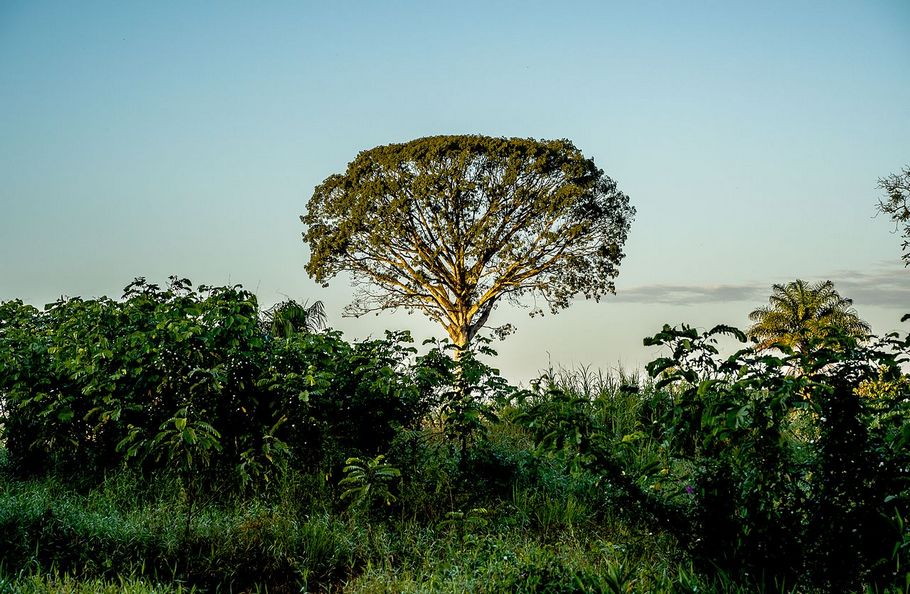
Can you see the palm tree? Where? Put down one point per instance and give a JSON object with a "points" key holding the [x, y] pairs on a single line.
{"points": [[287, 318], [800, 312]]}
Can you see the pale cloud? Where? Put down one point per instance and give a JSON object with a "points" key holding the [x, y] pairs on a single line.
{"points": [[689, 294], [883, 287]]}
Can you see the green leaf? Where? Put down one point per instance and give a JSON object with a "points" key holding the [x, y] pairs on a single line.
{"points": [[705, 385], [660, 364]]}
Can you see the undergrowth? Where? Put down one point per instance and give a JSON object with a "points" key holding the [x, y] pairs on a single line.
{"points": [[174, 442]]}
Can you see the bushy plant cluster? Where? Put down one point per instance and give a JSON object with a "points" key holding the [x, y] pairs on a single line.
{"points": [[784, 470], [796, 474], [191, 378]]}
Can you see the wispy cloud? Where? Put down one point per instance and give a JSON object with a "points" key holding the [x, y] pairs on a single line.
{"points": [[689, 294], [886, 287], [883, 287]]}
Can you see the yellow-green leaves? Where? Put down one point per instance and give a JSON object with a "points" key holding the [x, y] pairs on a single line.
{"points": [[450, 225]]}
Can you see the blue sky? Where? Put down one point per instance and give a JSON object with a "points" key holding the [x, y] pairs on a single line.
{"points": [[186, 138]]}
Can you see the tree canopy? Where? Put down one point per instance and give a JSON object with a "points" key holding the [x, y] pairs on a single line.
{"points": [[451, 225], [800, 312], [897, 204]]}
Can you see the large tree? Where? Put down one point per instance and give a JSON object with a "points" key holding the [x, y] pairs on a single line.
{"points": [[897, 204], [799, 313], [452, 225]]}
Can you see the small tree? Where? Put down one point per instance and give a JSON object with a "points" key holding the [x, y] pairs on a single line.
{"points": [[287, 318], [800, 313], [897, 204], [367, 480], [451, 225]]}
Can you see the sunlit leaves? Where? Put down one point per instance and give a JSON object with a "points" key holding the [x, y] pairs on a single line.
{"points": [[800, 312], [451, 225]]}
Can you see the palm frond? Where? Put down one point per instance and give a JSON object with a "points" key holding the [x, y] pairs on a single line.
{"points": [[798, 312], [289, 317]]}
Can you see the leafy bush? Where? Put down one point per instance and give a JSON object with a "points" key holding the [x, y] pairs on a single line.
{"points": [[771, 469], [794, 473], [191, 378], [367, 482]]}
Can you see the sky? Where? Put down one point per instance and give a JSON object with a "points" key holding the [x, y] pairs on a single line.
{"points": [[158, 139]]}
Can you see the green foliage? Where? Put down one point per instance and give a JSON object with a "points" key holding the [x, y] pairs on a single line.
{"points": [[65, 583], [451, 225], [790, 476], [211, 449], [287, 318], [896, 204], [768, 476], [465, 390], [192, 378], [109, 533], [131, 377], [800, 313], [558, 419], [368, 481]]}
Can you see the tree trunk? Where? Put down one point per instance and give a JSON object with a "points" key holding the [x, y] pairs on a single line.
{"points": [[463, 327], [460, 335]]}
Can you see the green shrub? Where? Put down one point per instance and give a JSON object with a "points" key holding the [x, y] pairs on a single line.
{"points": [[792, 481], [192, 379]]}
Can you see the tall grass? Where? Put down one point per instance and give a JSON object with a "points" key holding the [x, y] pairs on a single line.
{"points": [[107, 533]]}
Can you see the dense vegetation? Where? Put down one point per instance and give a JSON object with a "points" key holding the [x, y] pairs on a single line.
{"points": [[181, 440]]}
